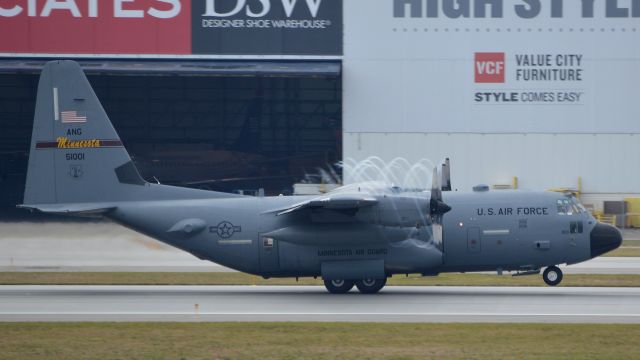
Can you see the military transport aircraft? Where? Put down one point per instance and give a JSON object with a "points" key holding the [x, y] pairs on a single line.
{"points": [[358, 235]]}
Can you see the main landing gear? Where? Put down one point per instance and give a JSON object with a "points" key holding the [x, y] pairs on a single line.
{"points": [[552, 275], [338, 286], [365, 286]]}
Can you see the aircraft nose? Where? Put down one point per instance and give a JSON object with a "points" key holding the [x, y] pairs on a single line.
{"points": [[604, 238]]}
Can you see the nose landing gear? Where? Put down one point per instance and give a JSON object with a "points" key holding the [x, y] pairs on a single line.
{"points": [[552, 275]]}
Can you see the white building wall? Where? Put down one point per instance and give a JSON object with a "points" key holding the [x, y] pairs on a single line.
{"points": [[410, 88]]}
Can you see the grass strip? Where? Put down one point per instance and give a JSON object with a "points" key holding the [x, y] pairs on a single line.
{"points": [[317, 341], [236, 278], [624, 251]]}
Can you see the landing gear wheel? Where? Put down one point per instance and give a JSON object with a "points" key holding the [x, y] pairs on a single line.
{"points": [[370, 285], [338, 286], [552, 275]]}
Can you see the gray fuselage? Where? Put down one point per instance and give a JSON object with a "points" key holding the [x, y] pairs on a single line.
{"points": [[508, 230]]}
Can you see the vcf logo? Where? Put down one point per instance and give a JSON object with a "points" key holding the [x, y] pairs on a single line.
{"points": [[489, 67]]}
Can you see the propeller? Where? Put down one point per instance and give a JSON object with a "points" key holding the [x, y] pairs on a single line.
{"points": [[437, 207], [446, 175]]}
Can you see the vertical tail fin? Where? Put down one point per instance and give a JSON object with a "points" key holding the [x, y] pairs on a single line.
{"points": [[77, 163], [76, 155]]}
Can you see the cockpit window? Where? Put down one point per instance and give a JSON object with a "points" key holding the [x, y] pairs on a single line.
{"points": [[570, 206], [564, 207], [580, 208]]}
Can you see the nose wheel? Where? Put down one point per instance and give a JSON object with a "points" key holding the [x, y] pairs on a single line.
{"points": [[552, 275]]}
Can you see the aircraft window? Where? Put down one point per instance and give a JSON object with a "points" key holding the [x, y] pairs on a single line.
{"points": [[576, 209], [576, 227], [564, 207], [570, 206], [267, 242], [580, 209], [567, 205]]}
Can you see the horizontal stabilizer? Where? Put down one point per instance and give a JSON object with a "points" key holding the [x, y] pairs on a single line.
{"points": [[82, 209]]}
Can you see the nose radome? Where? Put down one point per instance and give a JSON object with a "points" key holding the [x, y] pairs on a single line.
{"points": [[604, 238]]}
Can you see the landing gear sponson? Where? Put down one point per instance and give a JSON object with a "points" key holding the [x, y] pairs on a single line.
{"points": [[365, 286]]}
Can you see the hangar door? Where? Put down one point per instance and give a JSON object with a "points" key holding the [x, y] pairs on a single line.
{"points": [[219, 125]]}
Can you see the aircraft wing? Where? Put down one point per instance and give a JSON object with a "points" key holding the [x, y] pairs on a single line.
{"points": [[332, 202]]}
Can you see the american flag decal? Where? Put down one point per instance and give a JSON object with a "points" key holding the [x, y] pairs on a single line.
{"points": [[73, 117]]}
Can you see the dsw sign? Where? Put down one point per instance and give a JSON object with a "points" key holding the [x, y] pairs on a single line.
{"points": [[259, 8]]}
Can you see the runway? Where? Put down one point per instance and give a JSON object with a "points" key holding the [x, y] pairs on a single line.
{"points": [[312, 303]]}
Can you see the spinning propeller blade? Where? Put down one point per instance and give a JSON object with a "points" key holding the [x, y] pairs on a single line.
{"points": [[437, 208]]}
